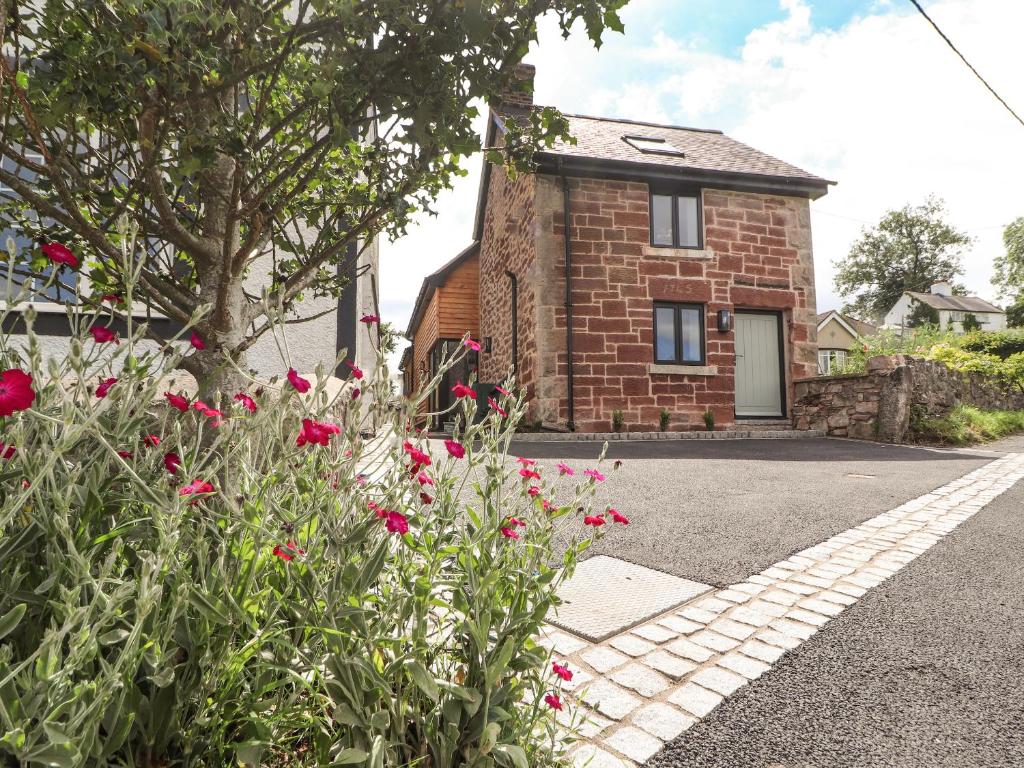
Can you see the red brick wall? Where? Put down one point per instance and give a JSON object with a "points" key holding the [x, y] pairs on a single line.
{"points": [[757, 256]]}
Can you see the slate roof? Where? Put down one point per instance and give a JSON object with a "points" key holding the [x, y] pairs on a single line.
{"points": [[955, 303], [862, 328], [602, 139]]}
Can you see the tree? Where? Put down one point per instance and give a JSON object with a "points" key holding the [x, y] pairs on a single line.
{"points": [[971, 323], [922, 314], [1009, 267], [253, 136], [1015, 313], [908, 250]]}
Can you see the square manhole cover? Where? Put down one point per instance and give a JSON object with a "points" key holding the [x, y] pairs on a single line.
{"points": [[606, 596]]}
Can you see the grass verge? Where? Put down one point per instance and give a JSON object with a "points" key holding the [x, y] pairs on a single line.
{"points": [[966, 425]]}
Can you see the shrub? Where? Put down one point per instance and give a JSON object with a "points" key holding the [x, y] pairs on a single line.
{"points": [[617, 421], [663, 419], [709, 420], [965, 425], [999, 343], [205, 589]]}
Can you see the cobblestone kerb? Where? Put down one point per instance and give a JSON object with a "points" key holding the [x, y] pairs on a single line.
{"points": [[646, 686]]}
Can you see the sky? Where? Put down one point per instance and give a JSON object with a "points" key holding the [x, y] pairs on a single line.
{"points": [[862, 92]]}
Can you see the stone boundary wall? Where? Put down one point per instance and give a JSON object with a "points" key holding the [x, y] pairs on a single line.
{"points": [[877, 405]]}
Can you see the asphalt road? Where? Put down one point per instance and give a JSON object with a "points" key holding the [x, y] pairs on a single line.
{"points": [[717, 511], [924, 672]]}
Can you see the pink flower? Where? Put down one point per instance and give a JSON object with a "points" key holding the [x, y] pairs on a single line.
{"points": [[509, 533], [300, 384], [369, 319], [593, 474], [357, 372], [316, 432], [177, 401], [562, 671], [534, 491], [515, 521], [565, 469], [473, 345], [60, 254], [151, 440], [355, 393], [419, 458], [553, 701], [455, 449], [426, 498], [197, 341], [376, 508], [501, 390], [104, 387], [548, 506], [497, 408], [102, 335], [594, 520], [16, 393], [112, 298], [525, 462], [125, 454], [210, 413], [171, 462], [7, 452], [618, 517], [396, 522], [247, 402], [461, 390], [288, 551], [529, 474], [195, 488], [425, 479]]}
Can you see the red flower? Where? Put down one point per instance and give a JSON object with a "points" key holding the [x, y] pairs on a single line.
{"points": [[525, 462], [101, 335], [529, 474], [16, 393], [509, 533], [425, 479], [357, 372], [300, 384], [455, 449], [515, 521], [562, 671], [594, 474], [473, 345], [502, 390], [60, 254], [195, 488], [426, 498], [355, 393], [171, 462], [316, 432], [151, 440], [419, 458], [369, 319], [288, 551], [461, 390], [534, 491], [7, 452], [396, 523], [548, 506], [208, 412], [197, 341], [104, 387], [112, 298], [594, 520], [125, 454], [177, 401], [553, 701], [618, 517], [565, 469], [495, 407], [376, 508], [247, 402]]}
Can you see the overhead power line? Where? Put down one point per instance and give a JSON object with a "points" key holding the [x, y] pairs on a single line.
{"points": [[966, 62]]}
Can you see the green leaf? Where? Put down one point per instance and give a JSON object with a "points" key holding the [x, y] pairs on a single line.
{"points": [[350, 756], [515, 754], [21, 79], [423, 680], [11, 619]]}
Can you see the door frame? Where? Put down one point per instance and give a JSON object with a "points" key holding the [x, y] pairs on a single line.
{"points": [[780, 317]]}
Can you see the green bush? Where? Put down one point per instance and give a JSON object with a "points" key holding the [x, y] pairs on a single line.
{"points": [[664, 417], [215, 586], [965, 425], [617, 421], [999, 343], [709, 420]]}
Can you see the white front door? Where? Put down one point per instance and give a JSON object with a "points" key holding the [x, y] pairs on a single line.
{"points": [[758, 365]]}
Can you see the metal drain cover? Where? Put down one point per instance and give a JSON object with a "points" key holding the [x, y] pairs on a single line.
{"points": [[606, 596]]}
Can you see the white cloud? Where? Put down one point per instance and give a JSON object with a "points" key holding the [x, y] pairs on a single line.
{"points": [[881, 105]]}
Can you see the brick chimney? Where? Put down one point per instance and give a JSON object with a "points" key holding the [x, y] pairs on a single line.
{"points": [[519, 94]]}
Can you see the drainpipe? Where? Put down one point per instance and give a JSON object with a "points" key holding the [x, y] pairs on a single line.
{"points": [[515, 323], [566, 218]]}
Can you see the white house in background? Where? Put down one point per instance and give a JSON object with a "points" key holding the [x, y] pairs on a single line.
{"points": [[952, 309]]}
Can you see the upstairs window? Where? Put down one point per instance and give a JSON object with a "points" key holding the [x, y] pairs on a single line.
{"points": [[676, 220], [678, 333]]}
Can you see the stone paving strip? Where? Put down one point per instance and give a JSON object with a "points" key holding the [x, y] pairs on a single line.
{"points": [[646, 686]]}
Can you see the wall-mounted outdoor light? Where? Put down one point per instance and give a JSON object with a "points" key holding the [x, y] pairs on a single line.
{"points": [[487, 345], [724, 321]]}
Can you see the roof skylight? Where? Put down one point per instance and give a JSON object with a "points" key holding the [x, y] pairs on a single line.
{"points": [[652, 145]]}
